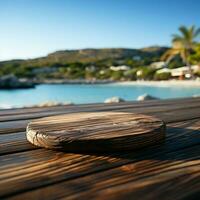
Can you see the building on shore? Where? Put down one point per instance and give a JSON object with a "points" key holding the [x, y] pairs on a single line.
{"points": [[120, 68], [158, 65], [164, 70], [181, 72]]}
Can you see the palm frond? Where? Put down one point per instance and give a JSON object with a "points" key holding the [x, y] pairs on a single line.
{"points": [[192, 30], [182, 43], [185, 32], [177, 38], [170, 54], [197, 33]]}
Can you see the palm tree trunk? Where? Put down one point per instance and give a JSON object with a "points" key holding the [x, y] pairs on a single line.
{"points": [[187, 54], [190, 70]]}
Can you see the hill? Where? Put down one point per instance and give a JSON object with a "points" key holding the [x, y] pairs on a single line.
{"points": [[95, 55], [85, 64], [91, 56]]}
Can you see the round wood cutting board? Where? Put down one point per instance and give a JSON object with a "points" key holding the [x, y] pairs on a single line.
{"points": [[96, 131]]}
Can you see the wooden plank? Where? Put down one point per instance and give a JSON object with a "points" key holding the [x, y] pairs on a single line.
{"points": [[17, 111], [168, 114], [14, 142], [32, 113], [40, 167], [17, 142], [96, 131], [176, 174], [8, 147]]}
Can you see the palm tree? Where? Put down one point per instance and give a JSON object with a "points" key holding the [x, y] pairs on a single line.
{"points": [[183, 44]]}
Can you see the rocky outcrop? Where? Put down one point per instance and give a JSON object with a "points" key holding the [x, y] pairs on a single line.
{"points": [[12, 82], [114, 100], [196, 95], [145, 97]]}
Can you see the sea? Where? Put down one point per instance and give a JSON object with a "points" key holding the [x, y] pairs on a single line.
{"points": [[89, 93]]}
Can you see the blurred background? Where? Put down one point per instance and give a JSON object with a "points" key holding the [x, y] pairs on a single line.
{"points": [[63, 52]]}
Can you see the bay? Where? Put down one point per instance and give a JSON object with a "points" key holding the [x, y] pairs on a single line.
{"points": [[88, 93]]}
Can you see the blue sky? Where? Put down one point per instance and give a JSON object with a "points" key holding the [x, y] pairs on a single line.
{"points": [[32, 28]]}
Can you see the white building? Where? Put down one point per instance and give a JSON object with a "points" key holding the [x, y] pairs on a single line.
{"points": [[164, 70], [158, 65], [102, 72], [120, 68], [139, 72], [185, 71], [181, 71], [91, 68], [195, 68]]}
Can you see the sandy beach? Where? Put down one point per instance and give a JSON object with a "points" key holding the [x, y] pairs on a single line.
{"points": [[185, 83]]}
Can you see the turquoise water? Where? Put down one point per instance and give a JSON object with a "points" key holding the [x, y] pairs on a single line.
{"points": [[87, 93]]}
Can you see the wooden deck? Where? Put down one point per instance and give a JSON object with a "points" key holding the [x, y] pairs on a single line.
{"points": [[170, 170]]}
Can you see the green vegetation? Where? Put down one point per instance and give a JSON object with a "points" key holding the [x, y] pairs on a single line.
{"points": [[183, 44], [95, 64], [146, 73], [162, 76], [84, 64], [175, 62], [195, 57]]}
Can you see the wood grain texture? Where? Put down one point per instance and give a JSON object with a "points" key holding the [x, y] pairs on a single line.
{"points": [[33, 113], [16, 141], [176, 174], [96, 131], [163, 171], [169, 113], [39, 168], [22, 111]]}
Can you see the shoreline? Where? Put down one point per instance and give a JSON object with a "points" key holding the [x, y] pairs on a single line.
{"points": [[164, 83], [185, 83], [75, 81]]}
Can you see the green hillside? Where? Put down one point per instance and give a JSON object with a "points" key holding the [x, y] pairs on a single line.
{"points": [[73, 64]]}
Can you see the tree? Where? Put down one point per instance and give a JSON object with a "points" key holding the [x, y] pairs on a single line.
{"points": [[162, 76], [183, 44], [195, 57], [147, 73]]}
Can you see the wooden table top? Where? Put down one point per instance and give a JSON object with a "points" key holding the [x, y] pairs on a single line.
{"points": [[170, 170]]}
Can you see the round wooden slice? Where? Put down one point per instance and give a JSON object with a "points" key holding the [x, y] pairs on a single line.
{"points": [[96, 131]]}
